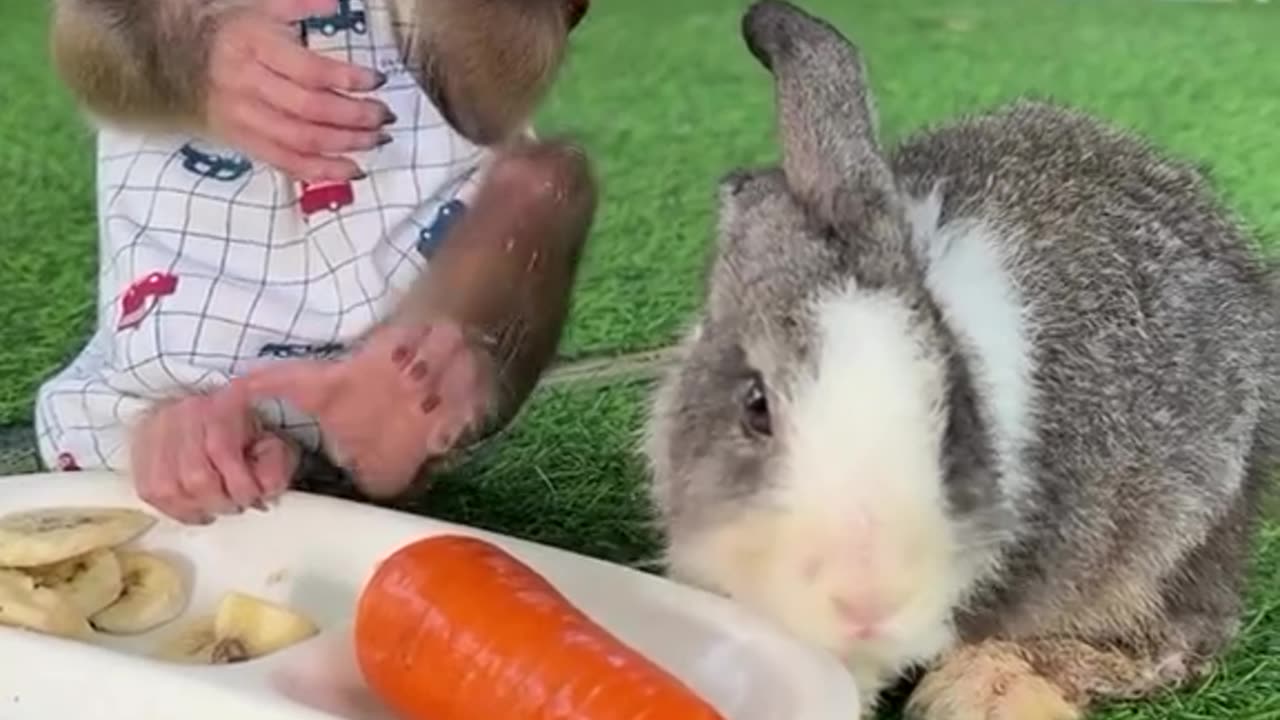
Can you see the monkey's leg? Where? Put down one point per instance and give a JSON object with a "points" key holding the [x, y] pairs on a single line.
{"points": [[1043, 679], [469, 341]]}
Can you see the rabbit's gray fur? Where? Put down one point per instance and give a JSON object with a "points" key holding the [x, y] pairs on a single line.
{"points": [[1155, 349]]}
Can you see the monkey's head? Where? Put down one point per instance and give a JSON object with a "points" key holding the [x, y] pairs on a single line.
{"points": [[487, 64]]}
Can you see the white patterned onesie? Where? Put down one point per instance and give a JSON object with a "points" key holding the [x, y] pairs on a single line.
{"points": [[210, 263]]}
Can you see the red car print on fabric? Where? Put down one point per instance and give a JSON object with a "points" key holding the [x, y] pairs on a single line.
{"points": [[331, 195], [141, 297]]}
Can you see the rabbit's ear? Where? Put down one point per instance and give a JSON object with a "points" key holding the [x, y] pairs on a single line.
{"points": [[826, 114]]}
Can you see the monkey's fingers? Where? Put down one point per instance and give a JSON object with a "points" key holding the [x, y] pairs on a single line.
{"points": [[229, 430], [313, 70], [356, 120], [274, 460], [283, 142], [308, 385], [200, 479], [323, 121], [154, 453]]}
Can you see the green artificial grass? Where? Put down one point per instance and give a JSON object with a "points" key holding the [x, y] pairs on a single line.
{"points": [[666, 98], [47, 242]]}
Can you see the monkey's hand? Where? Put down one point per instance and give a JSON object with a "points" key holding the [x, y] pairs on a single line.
{"points": [[407, 396], [231, 69], [206, 455], [280, 102]]}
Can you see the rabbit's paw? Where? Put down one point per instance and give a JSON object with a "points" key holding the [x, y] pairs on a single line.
{"points": [[991, 681], [1107, 673]]}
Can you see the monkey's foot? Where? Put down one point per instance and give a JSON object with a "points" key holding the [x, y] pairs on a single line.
{"points": [[991, 681], [405, 397], [447, 375]]}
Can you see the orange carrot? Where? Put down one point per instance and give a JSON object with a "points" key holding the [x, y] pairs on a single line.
{"points": [[452, 627]]}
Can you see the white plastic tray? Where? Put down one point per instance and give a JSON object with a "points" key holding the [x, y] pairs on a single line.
{"points": [[315, 553]]}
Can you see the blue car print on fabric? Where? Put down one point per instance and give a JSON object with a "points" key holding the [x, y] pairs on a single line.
{"points": [[214, 165], [344, 19], [293, 350], [430, 236]]}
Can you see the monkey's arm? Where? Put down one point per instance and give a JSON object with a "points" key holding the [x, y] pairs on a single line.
{"points": [[466, 345], [507, 268], [138, 63]]}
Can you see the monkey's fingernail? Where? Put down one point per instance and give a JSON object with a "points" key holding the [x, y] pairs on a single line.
{"points": [[418, 371], [431, 403], [360, 175], [259, 505], [383, 139], [379, 79], [389, 118]]}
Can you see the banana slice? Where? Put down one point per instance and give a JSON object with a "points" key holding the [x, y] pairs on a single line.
{"points": [[242, 628], [24, 605], [264, 627], [45, 536], [153, 595], [91, 581], [197, 643]]}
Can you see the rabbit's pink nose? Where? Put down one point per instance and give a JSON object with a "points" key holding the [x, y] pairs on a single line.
{"points": [[861, 617]]}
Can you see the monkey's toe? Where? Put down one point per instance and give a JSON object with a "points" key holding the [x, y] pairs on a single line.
{"points": [[424, 361]]}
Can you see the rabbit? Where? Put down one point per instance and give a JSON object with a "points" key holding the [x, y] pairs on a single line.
{"points": [[987, 414]]}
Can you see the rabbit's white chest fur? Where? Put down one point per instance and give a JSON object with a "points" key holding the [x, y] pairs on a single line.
{"points": [[968, 276]]}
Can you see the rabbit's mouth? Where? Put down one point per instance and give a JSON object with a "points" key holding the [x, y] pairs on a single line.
{"points": [[881, 620]]}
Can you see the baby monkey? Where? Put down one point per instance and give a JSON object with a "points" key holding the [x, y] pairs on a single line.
{"points": [[323, 224]]}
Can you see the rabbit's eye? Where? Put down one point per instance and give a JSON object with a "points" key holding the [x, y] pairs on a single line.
{"points": [[755, 409]]}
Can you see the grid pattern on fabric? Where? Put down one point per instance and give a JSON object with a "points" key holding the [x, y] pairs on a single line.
{"points": [[210, 263]]}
